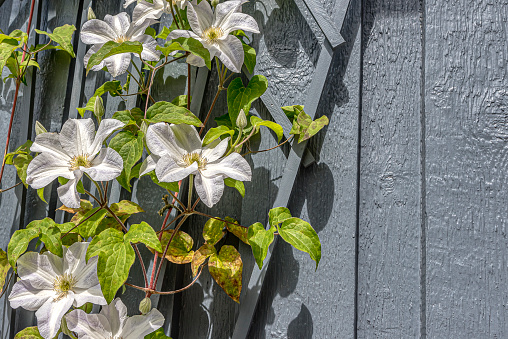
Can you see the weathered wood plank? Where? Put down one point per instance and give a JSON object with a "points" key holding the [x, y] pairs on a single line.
{"points": [[390, 183], [466, 105]]}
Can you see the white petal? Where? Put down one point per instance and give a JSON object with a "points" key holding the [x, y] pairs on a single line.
{"points": [[149, 50], [200, 16], [128, 2], [139, 27], [146, 11], [148, 164], [68, 193], [75, 258], [224, 10], [40, 270], [30, 298], [89, 295], [116, 313], [233, 166], [77, 135], [160, 139], [240, 21], [187, 137], [178, 33], [209, 189], [49, 143], [94, 49], [96, 32], [45, 168], [120, 23], [181, 3], [140, 325], [194, 60], [106, 166], [106, 127], [232, 54], [92, 326], [118, 64], [215, 150], [168, 170], [86, 276], [49, 316]]}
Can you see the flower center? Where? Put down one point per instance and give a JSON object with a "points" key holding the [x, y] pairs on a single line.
{"points": [[80, 161], [191, 158], [63, 284], [213, 34], [121, 39]]}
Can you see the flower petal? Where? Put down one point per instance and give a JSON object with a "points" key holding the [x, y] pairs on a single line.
{"points": [[118, 64], [97, 32], [140, 325], [160, 139], [45, 168], [49, 315], [194, 60], [167, 170], [116, 313], [94, 49], [178, 33], [106, 127], [209, 189], [200, 16], [240, 21], [68, 193], [148, 164], [187, 137], [120, 23], [233, 166], [30, 298], [86, 277], [146, 11], [215, 150], [75, 258], [106, 166], [88, 326], [149, 52], [77, 136], [49, 143], [232, 54], [89, 295], [128, 2], [40, 269], [224, 10]]}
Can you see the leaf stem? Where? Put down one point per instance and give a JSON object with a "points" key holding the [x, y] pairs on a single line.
{"points": [[191, 189], [219, 219], [5, 190], [210, 110], [269, 149]]}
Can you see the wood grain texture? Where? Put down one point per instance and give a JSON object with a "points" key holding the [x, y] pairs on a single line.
{"points": [[390, 183], [466, 107]]}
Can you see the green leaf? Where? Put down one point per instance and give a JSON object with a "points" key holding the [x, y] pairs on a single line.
{"points": [[4, 268], [19, 243], [21, 163], [200, 256], [40, 194], [217, 132], [167, 112], [132, 117], [172, 186], [239, 231], [224, 120], [111, 48], [126, 183], [180, 101], [235, 184], [89, 227], [29, 333], [213, 231], [7, 45], [159, 334], [52, 241], [62, 36], [113, 87], [110, 222], [292, 111], [126, 207], [79, 187], [116, 257], [302, 122], [302, 236], [145, 234], [130, 148], [23, 149], [180, 249], [241, 97], [164, 33], [226, 268], [259, 240], [278, 215], [250, 57], [257, 122], [189, 45]]}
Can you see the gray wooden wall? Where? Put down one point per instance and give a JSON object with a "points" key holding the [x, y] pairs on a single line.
{"points": [[407, 192]]}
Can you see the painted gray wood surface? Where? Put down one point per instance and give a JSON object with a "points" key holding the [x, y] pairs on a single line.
{"points": [[407, 192]]}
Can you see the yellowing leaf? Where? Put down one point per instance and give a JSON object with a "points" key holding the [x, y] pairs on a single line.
{"points": [[226, 268], [200, 256], [180, 249]]}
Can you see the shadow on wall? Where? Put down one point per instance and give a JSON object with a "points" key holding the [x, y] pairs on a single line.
{"points": [[301, 327]]}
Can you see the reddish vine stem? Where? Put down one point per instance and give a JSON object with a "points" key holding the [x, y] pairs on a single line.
{"points": [[210, 110], [152, 277]]}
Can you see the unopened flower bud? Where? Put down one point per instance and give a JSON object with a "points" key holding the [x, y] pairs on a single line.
{"points": [[215, 3], [145, 306], [241, 121], [91, 14], [98, 108], [39, 129]]}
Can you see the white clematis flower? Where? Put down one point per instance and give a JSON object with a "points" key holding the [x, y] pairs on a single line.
{"points": [[113, 322], [72, 152], [145, 10], [50, 285], [118, 28], [212, 30], [177, 152]]}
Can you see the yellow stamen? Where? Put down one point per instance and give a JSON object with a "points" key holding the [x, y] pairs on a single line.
{"points": [[63, 284], [191, 158], [213, 34], [80, 161]]}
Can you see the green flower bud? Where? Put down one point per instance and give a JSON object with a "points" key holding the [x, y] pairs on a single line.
{"points": [[215, 3], [39, 129], [91, 14], [98, 108], [241, 121], [145, 306]]}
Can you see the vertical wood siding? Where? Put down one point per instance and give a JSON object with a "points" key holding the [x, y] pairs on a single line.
{"points": [[407, 191]]}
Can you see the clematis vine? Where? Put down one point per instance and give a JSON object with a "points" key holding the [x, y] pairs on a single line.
{"points": [[213, 30], [145, 10], [50, 285], [118, 28], [77, 149], [177, 152], [113, 322]]}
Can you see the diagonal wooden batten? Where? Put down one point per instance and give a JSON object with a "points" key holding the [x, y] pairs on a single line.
{"points": [[328, 25], [251, 297]]}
